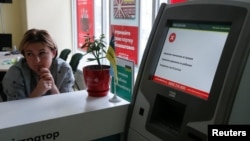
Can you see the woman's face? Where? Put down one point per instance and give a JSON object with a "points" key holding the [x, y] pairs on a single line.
{"points": [[38, 56]]}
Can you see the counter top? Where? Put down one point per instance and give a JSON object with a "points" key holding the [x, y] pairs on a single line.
{"points": [[73, 107]]}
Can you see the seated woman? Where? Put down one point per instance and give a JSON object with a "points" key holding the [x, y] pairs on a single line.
{"points": [[40, 72]]}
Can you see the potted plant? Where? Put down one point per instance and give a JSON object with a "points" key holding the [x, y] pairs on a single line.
{"points": [[96, 77]]}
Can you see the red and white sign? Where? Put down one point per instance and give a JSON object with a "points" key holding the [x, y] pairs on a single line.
{"points": [[85, 20], [126, 42]]}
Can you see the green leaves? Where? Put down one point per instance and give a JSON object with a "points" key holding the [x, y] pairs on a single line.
{"points": [[96, 47]]}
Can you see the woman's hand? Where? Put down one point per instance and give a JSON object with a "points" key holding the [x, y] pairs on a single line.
{"points": [[45, 75], [46, 82]]}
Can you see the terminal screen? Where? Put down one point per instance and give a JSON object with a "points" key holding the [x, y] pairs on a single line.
{"points": [[190, 56]]}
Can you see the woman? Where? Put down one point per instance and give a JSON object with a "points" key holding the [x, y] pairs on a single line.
{"points": [[39, 72]]}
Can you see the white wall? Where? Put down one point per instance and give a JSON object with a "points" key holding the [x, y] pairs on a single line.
{"points": [[54, 16]]}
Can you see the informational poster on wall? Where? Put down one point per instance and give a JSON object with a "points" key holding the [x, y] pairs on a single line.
{"points": [[126, 42], [85, 20], [124, 24], [125, 71]]}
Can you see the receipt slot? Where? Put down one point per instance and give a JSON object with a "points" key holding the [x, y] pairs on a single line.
{"points": [[194, 73]]}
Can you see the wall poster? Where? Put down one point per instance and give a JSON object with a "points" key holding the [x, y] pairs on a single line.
{"points": [[85, 20], [124, 24], [126, 42]]}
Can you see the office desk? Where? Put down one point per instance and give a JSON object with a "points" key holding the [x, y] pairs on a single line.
{"points": [[7, 60], [70, 116]]}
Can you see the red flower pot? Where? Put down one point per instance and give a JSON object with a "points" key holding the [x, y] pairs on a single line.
{"points": [[97, 80]]}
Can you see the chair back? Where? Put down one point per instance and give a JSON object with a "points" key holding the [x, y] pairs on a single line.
{"points": [[75, 59], [64, 54]]}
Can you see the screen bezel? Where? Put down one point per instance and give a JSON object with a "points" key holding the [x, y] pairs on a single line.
{"points": [[150, 89]]}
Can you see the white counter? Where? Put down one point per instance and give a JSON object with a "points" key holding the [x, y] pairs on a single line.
{"points": [[69, 116]]}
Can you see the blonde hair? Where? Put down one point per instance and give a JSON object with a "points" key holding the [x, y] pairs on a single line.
{"points": [[37, 36]]}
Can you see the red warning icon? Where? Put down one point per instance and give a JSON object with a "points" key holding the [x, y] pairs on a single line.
{"points": [[172, 37]]}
